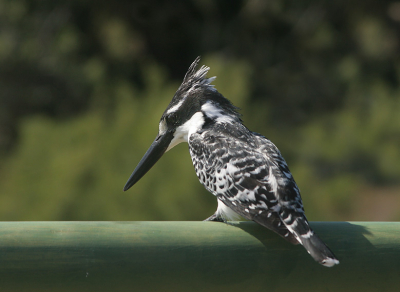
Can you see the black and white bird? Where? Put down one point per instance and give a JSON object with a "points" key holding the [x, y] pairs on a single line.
{"points": [[243, 169]]}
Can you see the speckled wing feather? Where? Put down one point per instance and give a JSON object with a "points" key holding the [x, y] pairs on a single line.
{"points": [[238, 172], [248, 174]]}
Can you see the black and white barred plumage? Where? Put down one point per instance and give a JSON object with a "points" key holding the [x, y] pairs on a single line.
{"points": [[243, 169]]}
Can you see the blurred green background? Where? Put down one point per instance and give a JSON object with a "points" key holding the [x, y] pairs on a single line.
{"points": [[84, 83]]}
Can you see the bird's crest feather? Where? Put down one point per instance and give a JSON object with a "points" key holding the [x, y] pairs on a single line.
{"points": [[197, 78], [196, 88]]}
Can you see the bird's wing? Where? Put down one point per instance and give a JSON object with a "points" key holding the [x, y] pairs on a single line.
{"points": [[243, 178], [291, 210], [250, 176], [285, 190]]}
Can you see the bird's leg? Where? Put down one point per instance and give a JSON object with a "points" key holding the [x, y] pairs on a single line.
{"points": [[215, 217]]}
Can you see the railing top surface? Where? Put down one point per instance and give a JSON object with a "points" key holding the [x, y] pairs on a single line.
{"points": [[193, 256]]}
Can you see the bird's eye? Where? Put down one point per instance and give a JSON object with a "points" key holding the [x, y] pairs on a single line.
{"points": [[172, 119]]}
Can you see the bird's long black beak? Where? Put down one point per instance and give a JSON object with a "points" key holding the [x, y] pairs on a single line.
{"points": [[153, 154]]}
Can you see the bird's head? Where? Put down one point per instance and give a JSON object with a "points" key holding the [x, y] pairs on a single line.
{"points": [[195, 103]]}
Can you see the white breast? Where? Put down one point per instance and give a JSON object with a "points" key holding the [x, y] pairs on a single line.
{"points": [[226, 212]]}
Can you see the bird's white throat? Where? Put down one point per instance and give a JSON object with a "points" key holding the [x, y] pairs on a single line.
{"points": [[182, 133]]}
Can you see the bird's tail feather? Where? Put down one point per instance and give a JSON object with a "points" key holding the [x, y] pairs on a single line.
{"points": [[300, 228], [318, 250]]}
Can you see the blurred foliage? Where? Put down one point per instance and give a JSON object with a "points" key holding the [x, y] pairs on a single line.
{"points": [[84, 83]]}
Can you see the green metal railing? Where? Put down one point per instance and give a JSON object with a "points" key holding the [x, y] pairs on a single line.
{"points": [[193, 256]]}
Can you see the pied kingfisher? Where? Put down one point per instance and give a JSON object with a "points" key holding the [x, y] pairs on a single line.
{"points": [[243, 169]]}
